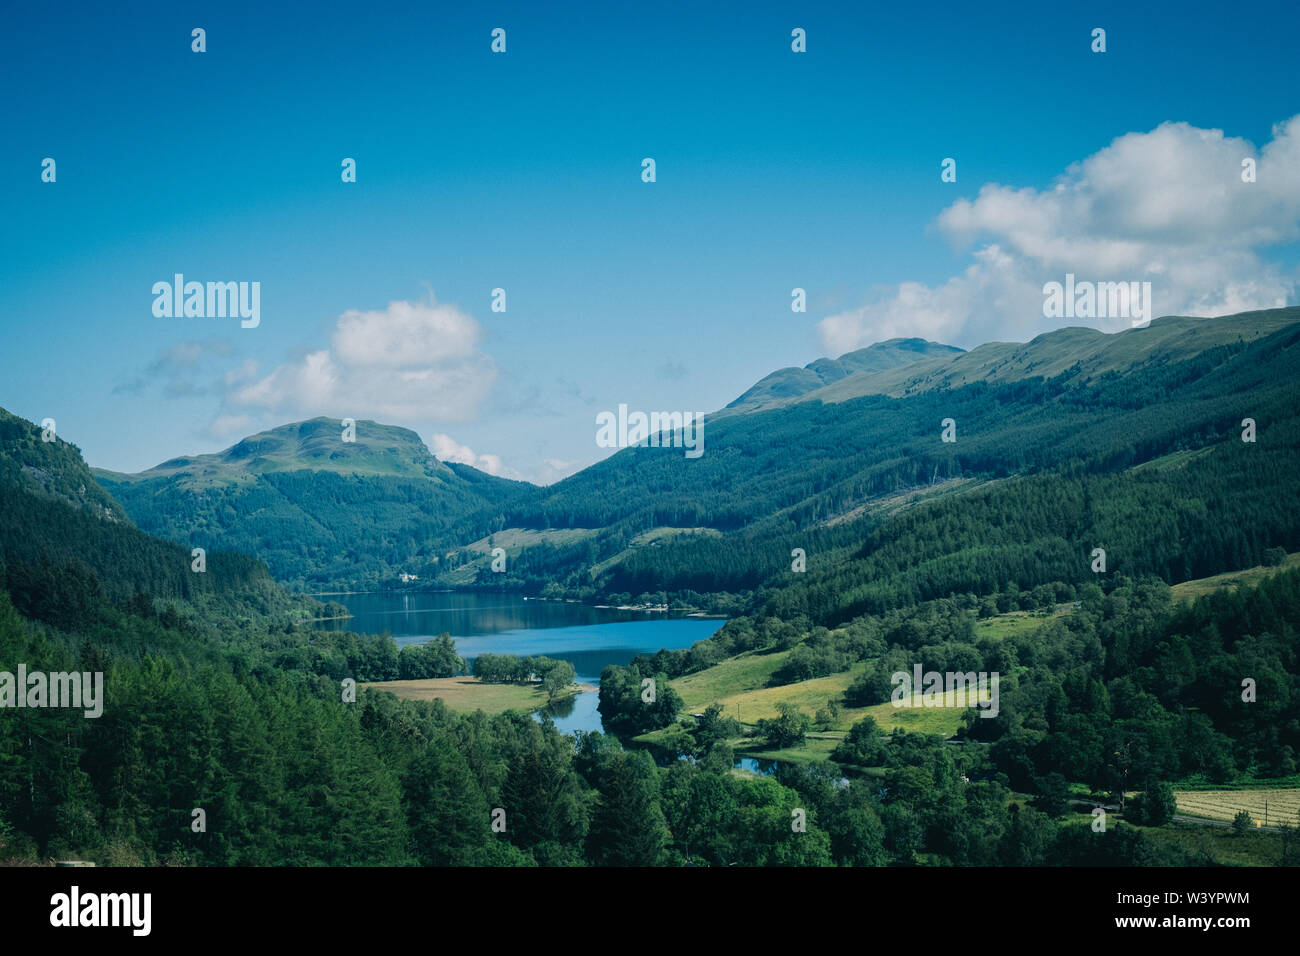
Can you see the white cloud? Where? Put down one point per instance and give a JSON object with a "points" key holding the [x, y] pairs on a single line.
{"points": [[406, 335], [224, 426], [446, 448], [411, 362], [548, 470], [555, 469], [1167, 206]]}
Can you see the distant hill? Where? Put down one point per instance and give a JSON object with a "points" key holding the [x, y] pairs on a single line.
{"points": [[315, 445], [790, 464], [321, 512], [790, 383], [1083, 353], [843, 464]]}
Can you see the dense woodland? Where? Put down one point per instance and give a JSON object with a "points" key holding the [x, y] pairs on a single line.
{"points": [[289, 774], [1042, 471], [319, 529], [220, 697]]}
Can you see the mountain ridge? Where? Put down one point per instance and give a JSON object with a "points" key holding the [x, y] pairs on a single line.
{"points": [[791, 382], [816, 468], [314, 444], [319, 510], [1095, 352]]}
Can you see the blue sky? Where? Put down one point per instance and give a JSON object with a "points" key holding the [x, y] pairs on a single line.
{"points": [[523, 171]]}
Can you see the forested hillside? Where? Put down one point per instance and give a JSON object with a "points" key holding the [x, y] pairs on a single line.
{"points": [[1147, 463], [1055, 443], [320, 510], [219, 700], [65, 544]]}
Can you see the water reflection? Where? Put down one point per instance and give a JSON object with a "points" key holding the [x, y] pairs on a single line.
{"points": [[424, 614], [559, 709], [589, 638]]}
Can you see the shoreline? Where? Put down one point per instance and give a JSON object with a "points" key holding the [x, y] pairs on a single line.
{"points": [[645, 609]]}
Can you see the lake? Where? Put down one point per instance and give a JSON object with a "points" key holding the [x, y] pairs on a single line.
{"points": [[589, 638]]}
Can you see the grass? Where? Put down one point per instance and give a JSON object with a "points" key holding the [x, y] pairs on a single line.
{"points": [[727, 680], [1189, 591], [514, 540], [815, 750], [1175, 459], [1244, 783], [1220, 844], [1002, 626], [944, 721], [468, 694], [740, 682], [1283, 804]]}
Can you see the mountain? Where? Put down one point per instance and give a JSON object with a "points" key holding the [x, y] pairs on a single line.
{"points": [[1081, 352], [789, 383], [50, 470], [822, 470], [66, 544], [319, 510], [201, 685], [317, 445], [1150, 415]]}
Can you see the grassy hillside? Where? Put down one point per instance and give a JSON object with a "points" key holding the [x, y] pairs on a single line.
{"points": [[1189, 591], [1082, 353], [1073, 441], [315, 445], [789, 383], [748, 686]]}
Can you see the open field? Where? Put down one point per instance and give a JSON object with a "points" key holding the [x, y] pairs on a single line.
{"points": [[815, 749], [1283, 804], [944, 721], [739, 685], [1189, 591], [1243, 783], [468, 694], [1002, 626], [1175, 459], [515, 539], [731, 678]]}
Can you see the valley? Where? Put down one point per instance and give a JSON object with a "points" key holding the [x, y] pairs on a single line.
{"points": [[838, 539]]}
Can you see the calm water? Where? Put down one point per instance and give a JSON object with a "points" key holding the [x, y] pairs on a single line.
{"points": [[589, 638]]}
